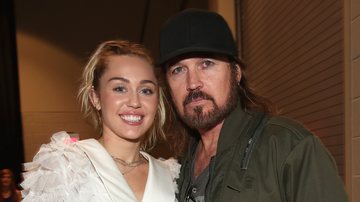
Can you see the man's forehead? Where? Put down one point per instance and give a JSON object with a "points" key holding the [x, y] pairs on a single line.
{"points": [[197, 56]]}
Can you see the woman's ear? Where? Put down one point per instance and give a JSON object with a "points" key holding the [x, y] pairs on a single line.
{"points": [[95, 99], [238, 73]]}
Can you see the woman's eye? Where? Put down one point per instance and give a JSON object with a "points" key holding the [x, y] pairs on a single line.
{"points": [[119, 89], [147, 91]]}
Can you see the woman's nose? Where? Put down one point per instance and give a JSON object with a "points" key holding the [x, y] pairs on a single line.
{"points": [[134, 101]]}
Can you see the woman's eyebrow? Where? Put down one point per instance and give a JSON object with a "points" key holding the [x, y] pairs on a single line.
{"points": [[128, 81], [119, 78]]}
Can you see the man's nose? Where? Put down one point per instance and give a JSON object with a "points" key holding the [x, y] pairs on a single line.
{"points": [[194, 81]]}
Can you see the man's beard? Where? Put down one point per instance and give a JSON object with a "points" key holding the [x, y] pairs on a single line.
{"points": [[196, 118]]}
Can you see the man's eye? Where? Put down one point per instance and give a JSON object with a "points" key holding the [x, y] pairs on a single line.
{"points": [[207, 63], [177, 70]]}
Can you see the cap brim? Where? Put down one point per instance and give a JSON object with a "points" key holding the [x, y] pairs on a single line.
{"points": [[191, 50]]}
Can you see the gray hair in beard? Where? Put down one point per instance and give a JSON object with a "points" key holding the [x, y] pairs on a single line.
{"points": [[201, 120]]}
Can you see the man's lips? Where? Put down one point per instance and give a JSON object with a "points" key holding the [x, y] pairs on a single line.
{"points": [[197, 101], [196, 96]]}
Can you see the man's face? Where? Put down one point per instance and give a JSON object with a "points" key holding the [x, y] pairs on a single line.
{"points": [[203, 89]]}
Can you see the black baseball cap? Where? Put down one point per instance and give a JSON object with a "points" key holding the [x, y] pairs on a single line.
{"points": [[196, 31]]}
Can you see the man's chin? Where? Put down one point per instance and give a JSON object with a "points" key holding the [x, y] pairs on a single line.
{"points": [[195, 109]]}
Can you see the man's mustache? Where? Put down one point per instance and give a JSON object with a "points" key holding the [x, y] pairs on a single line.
{"points": [[195, 95]]}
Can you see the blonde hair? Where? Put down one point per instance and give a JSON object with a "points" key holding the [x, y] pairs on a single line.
{"points": [[92, 73]]}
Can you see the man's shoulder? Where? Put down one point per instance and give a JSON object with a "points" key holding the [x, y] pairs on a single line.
{"points": [[286, 137], [280, 126]]}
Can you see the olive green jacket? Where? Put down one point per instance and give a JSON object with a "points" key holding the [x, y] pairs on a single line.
{"points": [[287, 164]]}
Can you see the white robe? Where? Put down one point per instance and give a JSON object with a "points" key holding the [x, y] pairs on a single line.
{"points": [[84, 171]]}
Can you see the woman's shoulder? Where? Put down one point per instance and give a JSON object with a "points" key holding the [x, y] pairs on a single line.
{"points": [[59, 171], [60, 150], [166, 172], [171, 164]]}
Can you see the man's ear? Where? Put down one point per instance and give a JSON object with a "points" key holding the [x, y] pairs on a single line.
{"points": [[95, 99]]}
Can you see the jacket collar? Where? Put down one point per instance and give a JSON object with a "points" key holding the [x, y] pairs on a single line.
{"points": [[233, 127], [104, 165], [158, 185]]}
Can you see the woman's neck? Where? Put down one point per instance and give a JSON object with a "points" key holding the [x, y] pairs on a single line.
{"points": [[120, 148], [6, 193]]}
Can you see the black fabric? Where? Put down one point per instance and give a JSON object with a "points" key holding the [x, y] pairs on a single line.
{"points": [[11, 144], [196, 31]]}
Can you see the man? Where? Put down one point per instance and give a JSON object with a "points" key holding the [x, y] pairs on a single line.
{"points": [[238, 151]]}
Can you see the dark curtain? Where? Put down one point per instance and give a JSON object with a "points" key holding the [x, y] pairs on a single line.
{"points": [[11, 144]]}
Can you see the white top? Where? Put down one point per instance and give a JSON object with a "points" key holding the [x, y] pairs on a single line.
{"points": [[84, 171]]}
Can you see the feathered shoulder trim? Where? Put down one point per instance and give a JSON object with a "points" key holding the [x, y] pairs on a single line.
{"points": [[60, 171], [174, 168]]}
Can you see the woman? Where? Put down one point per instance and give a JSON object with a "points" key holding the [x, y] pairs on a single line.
{"points": [[121, 94], [9, 192]]}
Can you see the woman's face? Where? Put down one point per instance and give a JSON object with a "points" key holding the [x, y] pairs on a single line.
{"points": [[6, 180], [127, 97]]}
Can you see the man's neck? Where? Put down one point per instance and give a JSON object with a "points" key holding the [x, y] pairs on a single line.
{"points": [[206, 148], [209, 139]]}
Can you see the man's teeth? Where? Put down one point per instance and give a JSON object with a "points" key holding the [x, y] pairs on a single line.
{"points": [[131, 118]]}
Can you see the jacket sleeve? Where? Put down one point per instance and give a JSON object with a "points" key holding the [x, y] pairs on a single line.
{"points": [[310, 174]]}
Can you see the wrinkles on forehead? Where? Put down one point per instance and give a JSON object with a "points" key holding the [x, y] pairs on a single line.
{"points": [[177, 59]]}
